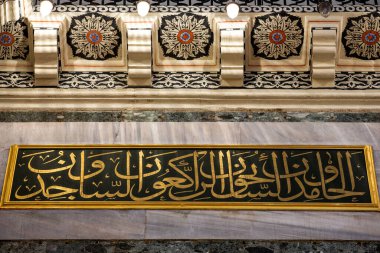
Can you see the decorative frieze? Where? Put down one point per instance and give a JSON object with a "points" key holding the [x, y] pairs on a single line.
{"points": [[16, 80], [357, 80], [277, 80], [93, 80], [207, 9], [212, 3], [194, 46], [186, 80]]}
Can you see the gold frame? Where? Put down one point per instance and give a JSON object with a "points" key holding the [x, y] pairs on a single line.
{"points": [[5, 202]]}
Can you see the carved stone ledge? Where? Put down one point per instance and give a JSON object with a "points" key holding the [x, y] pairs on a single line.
{"points": [[190, 100]]}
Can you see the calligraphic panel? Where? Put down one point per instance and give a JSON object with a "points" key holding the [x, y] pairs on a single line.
{"points": [[191, 177]]}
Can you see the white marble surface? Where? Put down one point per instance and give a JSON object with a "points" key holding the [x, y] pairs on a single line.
{"points": [[184, 224]]}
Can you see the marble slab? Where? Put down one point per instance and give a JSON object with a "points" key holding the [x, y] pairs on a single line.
{"points": [[262, 225], [185, 116], [187, 246], [185, 224]]}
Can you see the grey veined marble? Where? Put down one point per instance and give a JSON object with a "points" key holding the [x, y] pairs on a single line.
{"points": [[167, 116], [188, 247]]}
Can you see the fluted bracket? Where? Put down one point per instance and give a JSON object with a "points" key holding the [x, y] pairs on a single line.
{"points": [[323, 63], [232, 53], [45, 54], [12, 10], [139, 53]]}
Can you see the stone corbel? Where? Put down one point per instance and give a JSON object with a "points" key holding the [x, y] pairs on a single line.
{"points": [[46, 53], [232, 53], [12, 10], [323, 54], [139, 53]]}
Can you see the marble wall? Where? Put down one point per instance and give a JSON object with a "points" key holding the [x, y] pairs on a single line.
{"points": [[185, 224]]}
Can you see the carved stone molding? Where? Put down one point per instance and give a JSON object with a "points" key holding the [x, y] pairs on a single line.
{"points": [[324, 50], [189, 99]]}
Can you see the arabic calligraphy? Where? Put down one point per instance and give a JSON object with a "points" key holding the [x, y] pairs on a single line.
{"points": [[235, 174]]}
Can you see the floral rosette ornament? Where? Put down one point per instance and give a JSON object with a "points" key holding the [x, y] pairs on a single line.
{"points": [[185, 36], [361, 37], [277, 36], [14, 41], [94, 37]]}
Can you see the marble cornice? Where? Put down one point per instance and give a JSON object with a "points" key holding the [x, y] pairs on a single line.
{"points": [[49, 99]]}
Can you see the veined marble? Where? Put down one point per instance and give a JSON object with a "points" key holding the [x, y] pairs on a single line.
{"points": [[187, 246], [185, 116]]}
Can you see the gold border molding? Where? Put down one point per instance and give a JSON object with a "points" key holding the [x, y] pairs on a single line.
{"points": [[50, 99]]}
